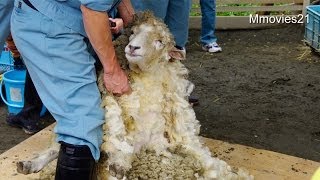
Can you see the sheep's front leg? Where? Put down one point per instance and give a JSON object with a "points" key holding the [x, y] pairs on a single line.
{"points": [[37, 163]]}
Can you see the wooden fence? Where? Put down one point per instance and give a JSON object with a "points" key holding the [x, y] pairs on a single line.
{"points": [[294, 8]]}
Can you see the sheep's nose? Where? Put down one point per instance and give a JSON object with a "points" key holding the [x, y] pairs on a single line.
{"points": [[132, 48]]}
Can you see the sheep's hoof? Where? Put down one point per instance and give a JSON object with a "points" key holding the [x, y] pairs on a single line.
{"points": [[24, 167], [116, 171]]}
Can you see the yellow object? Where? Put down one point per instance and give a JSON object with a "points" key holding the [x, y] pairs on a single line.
{"points": [[316, 175]]}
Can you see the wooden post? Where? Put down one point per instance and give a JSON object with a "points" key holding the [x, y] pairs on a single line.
{"points": [[305, 4]]}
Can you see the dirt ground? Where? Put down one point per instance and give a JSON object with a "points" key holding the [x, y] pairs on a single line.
{"points": [[263, 91]]}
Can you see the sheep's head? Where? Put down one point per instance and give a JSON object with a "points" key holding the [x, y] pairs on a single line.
{"points": [[149, 43]]}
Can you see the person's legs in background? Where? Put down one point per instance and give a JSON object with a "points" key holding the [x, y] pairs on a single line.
{"points": [[159, 7], [177, 19], [208, 23], [29, 116], [6, 7]]}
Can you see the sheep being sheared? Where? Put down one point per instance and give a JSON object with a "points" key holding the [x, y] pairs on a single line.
{"points": [[153, 132]]}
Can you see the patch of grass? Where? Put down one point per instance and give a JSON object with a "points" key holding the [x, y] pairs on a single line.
{"points": [[245, 13], [195, 11]]}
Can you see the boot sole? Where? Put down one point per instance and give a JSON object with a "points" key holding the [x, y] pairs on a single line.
{"points": [[23, 128]]}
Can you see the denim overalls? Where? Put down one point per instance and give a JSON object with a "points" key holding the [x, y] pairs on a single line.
{"points": [[208, 25], [175, 14], [6, 7]]}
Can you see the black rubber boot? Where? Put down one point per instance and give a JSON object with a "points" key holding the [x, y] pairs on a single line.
{"points": [[75, 162]]}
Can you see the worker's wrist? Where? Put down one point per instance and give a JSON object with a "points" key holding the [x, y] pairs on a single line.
{"points": [[111, 67]]}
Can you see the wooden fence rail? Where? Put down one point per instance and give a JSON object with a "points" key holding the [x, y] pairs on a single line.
{"points": [[219, 2], [294, 7]]}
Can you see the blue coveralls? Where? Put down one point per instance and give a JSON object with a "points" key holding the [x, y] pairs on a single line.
{"points": [[175, 14], [6, 7], [51, 41]]}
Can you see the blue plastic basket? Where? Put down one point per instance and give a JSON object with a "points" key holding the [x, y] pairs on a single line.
{"points": [[312, 27], [6, 61]]}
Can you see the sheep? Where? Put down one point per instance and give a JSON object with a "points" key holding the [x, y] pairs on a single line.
{"points": [[152, 133]]}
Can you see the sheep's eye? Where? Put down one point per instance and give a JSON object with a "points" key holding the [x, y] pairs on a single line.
{"points": [[159, 44], [131, 32]]}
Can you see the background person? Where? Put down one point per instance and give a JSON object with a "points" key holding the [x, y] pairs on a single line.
{"points": [[29, 116], [208, 25], [6, 7]]}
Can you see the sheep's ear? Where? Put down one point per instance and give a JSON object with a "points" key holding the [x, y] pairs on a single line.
{"points": [[177, 54]]}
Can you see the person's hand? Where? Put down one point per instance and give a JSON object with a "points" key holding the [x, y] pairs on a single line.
{"points": [[118, 25], [116, 81], [12, 47]]}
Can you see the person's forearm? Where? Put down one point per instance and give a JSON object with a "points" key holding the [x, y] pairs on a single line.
{"points": [[126, 12], [98, 31]]}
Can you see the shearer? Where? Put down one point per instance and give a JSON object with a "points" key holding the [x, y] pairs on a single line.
{"points": [[52, 36]]}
